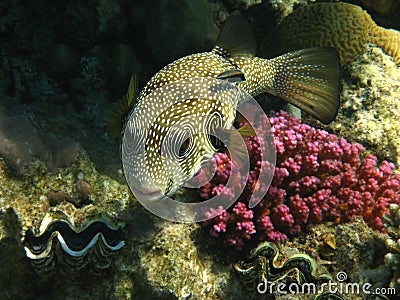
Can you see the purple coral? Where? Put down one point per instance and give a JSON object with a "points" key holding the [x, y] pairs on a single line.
{"points": [[318, 177]]}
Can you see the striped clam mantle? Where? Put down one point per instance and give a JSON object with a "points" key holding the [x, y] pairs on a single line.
{"points": [[263, 268], [58, 243]]}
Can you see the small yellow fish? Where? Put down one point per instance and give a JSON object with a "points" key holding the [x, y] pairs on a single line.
{"points": [[309, 79]]}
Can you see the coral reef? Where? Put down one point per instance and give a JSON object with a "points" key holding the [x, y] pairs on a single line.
{"points": [[353, 248], [285, 7], [359, 252], [60, 76], [392, 258], [158, 260], [370, 108], [346, 27], [318, 178], [175, 263]]}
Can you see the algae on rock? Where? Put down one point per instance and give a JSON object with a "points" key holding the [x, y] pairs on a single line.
{"points": [[392, 258], [174, 263], [370, 106]]}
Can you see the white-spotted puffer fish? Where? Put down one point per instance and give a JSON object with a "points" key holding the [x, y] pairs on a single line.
{"points": [[176, 134]]}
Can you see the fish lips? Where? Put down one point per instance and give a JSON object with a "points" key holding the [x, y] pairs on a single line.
{"points": [[146, 194]]}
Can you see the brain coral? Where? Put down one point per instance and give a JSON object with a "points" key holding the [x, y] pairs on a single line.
{"points": [[346, 27]]}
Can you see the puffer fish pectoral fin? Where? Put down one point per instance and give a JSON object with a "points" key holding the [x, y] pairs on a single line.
{"points": [[230, 135], [233, 138], [232, 76], [310, 80], [246, 130], [241, 157], [120, 109], [236, 37], [132, 90]]}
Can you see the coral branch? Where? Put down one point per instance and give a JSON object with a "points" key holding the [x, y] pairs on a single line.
{"points": [[318, 178]]}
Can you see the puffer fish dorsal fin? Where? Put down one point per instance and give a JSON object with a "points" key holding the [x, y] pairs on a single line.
{"points": [[236, 37]]}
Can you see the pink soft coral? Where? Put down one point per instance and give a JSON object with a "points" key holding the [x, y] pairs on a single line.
{"points": [[318, 177]]}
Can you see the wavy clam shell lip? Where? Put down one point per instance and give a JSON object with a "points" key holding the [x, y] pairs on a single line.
{"points": [[263, 263], [97, 234]]}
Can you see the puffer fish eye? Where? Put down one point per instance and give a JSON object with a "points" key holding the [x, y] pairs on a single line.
{"points": [[184, 147]]}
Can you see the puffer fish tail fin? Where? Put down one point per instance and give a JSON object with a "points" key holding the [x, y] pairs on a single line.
{"points": [[120, 109], [310, 80], [236, 37]]}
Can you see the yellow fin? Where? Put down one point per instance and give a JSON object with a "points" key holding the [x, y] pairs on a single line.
{"points": [[120, 109], [233, 138], [246, 130], [242, 156], [132, 90], [229, 135], [310, 80]]}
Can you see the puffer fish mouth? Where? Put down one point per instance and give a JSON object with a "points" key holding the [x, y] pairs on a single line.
{"points": [[145, 194]]}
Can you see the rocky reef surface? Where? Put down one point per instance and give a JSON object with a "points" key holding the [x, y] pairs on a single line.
{"points": [[63, 65], [370, 106]]}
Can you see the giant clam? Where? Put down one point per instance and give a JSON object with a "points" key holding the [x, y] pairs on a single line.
{"points": [[263, 268], [58, 243]]}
